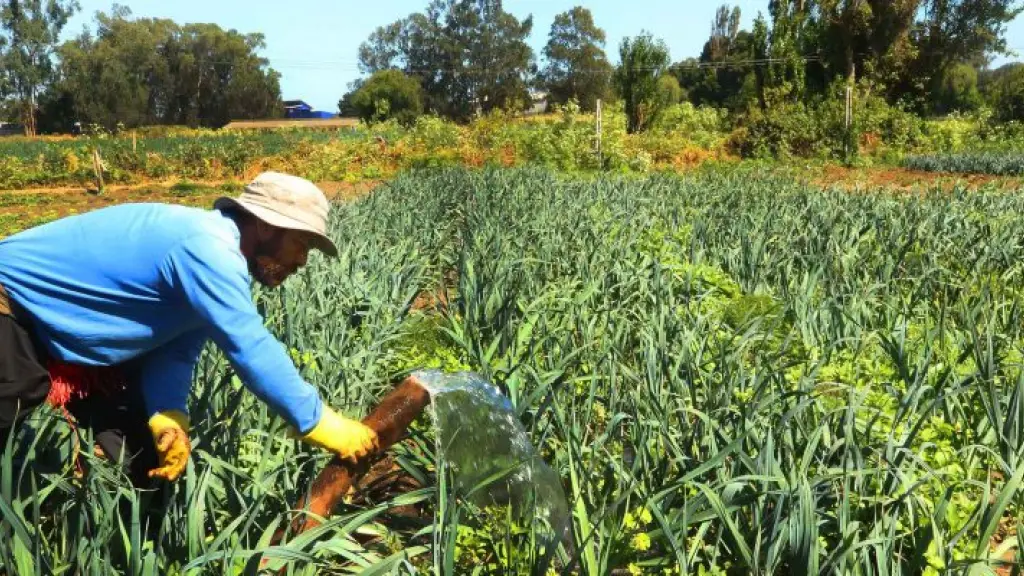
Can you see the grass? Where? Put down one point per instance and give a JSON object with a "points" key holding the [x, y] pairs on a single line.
{"points": [[20, 211], [9, 224], [731, 373]]}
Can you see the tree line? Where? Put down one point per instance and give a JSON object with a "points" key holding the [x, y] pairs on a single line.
{"points": [[128, 72], [459, 58], [462, 58]]}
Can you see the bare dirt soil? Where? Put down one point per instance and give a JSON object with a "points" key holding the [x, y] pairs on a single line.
{"points": [[902, 179], [302, 123], [21, 209]]}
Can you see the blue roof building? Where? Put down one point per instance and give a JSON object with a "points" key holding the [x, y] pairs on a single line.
{"points": [[298, 109]]}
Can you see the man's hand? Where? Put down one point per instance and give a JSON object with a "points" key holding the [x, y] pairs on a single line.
{"points": [[348, 439], [170, 434]]}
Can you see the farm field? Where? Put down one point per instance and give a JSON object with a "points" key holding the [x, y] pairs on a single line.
{"points": [[621, 293], [732, 371], [685, 139]]}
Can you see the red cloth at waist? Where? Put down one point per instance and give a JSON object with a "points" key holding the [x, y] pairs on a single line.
{"points": [[69, 381], [73, 382]]}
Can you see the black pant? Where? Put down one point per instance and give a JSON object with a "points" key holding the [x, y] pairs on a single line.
{"points": [[118, 422], [24, 379]]}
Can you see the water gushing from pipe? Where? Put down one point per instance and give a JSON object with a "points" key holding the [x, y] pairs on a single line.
{"points": [[480, 442], [489, 454]]}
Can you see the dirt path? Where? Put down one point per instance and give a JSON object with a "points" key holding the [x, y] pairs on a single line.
{"points": [[902, 179], [330, 188], [21, 209]]}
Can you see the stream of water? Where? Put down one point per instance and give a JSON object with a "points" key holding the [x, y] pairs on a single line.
{"points": [[480, 438]]}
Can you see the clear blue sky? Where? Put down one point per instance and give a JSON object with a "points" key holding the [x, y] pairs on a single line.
{"points": [[314, 43]]}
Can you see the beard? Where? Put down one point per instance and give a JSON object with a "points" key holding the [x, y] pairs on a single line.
{"points": [[269, 272], [265, 267]]}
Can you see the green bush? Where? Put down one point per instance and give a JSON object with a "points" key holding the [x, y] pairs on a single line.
{"points": [[818, 129], [952, 133], [434, 133], [567, 143], [785, 131], [389, 94], [704, 126]]}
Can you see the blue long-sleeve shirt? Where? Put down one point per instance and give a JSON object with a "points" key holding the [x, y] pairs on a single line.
{"points": [[152, 282]]}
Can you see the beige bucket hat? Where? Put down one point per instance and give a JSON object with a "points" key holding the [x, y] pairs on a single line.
{"points": [[286, 201]]}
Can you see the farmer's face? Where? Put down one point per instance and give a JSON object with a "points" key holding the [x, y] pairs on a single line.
{"points": [[278, 254]]}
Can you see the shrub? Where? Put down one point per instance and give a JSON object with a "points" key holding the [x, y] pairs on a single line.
{"points": [[389, 94]]}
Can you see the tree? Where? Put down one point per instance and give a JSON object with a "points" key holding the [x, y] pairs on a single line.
{"points": [[724, 75], [388, 94], [1004, 91], [954, 32], [4, 82], [845, 23], [470, 56], [346, 108], [867, 38], [921, 53], [577, 67], [959, 90], [907, 47], [155, 71], [504, 59], [218, 77], [117, 76], [669, 91], [699, 83], [643, 62], [31, 29], [761, 50], [785, 42], [384, 47], [724, 29]]}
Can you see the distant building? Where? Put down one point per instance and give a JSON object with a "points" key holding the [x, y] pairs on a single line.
{"points": [[11, 129], [538, 103], [297, 109]]}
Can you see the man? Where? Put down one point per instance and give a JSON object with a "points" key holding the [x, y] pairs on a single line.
{"points": [[130, 294]]}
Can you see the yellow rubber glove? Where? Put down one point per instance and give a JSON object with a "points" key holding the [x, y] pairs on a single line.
{"points": [[349, 439], [170, 434]]}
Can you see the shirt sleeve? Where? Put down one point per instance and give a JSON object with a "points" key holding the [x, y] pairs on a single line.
{"points": [[214, 279], [166, 373]]}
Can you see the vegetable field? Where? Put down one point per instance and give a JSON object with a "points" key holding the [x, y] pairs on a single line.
{"points": [[730, 372], [996, 163], [566, 141]]}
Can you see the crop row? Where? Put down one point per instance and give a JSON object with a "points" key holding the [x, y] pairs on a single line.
{"points": [[729, 372], [996, 164]]}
